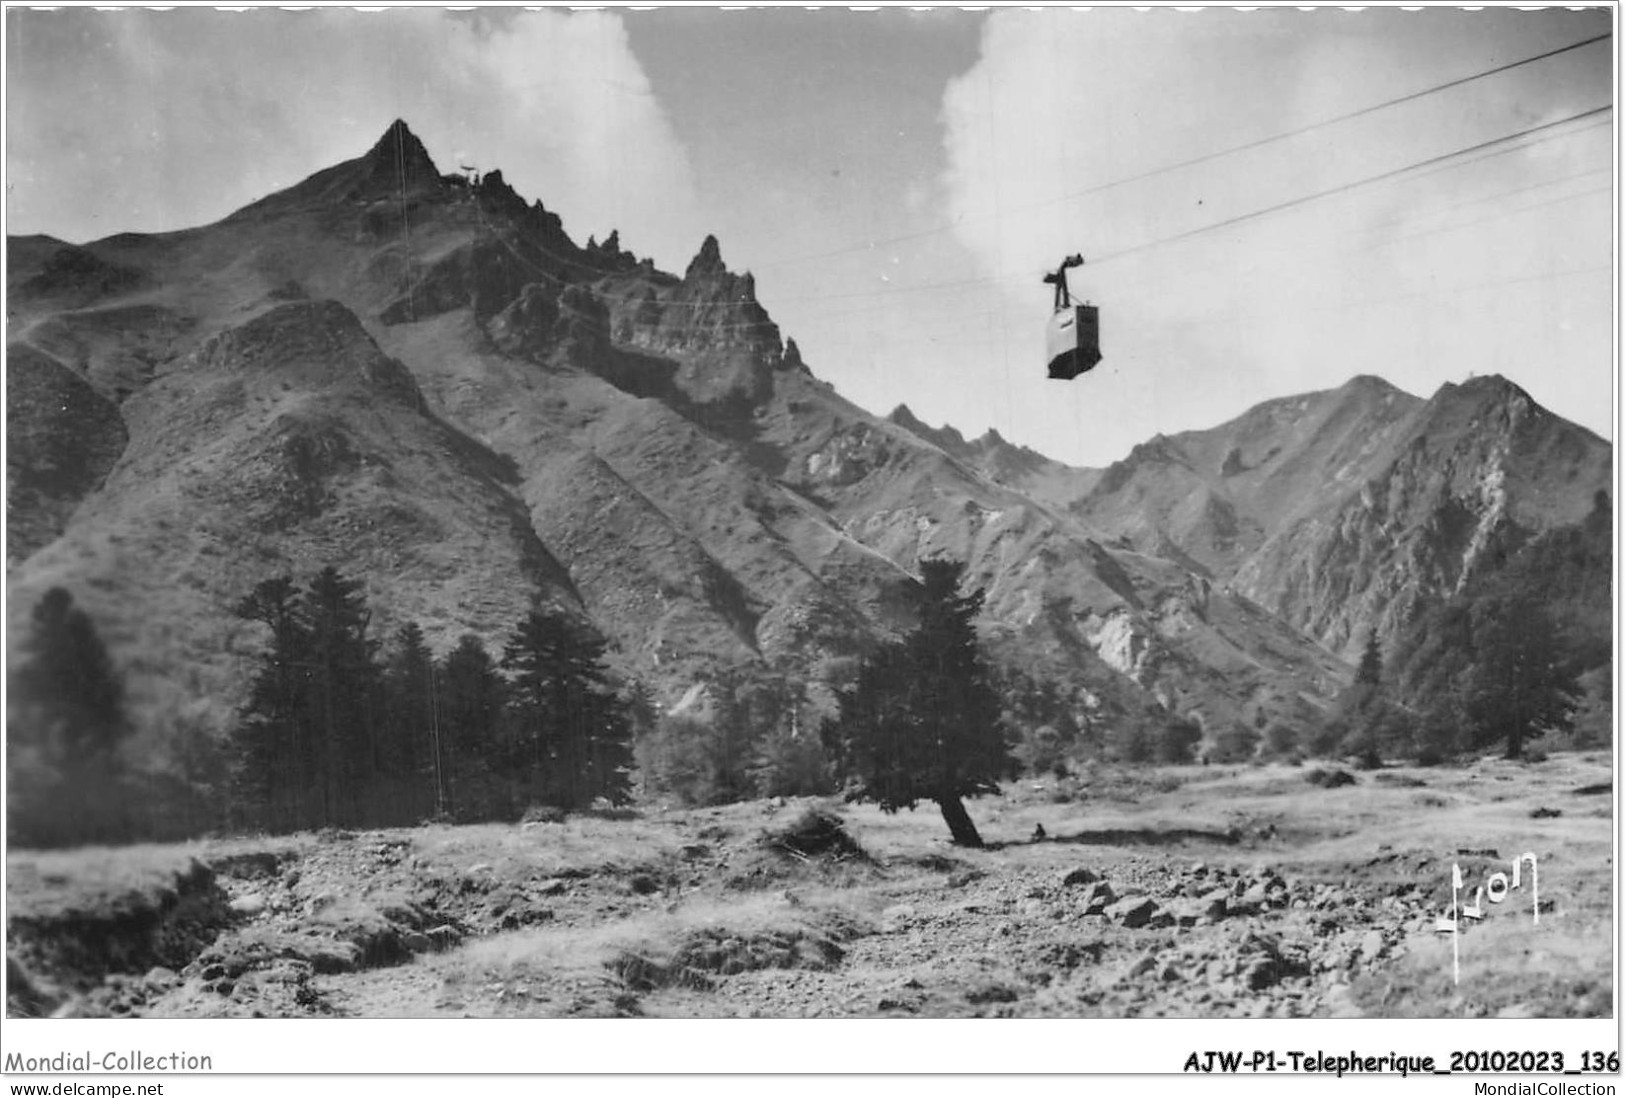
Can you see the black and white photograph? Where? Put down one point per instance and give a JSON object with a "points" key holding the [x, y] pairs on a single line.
{"points": [[777, 513]]}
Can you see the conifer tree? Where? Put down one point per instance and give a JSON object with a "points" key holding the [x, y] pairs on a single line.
{"points": [[69, 681], [1370, 670], [471, 699], [411, 762], [276, 764], [743, 707], [65, 724], [575, 736], [1519, 685], [922, 721], [344, 694]]}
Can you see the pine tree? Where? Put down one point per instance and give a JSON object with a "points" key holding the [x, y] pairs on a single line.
{"points": [[1519, 685], [743, 707], [608, 749], [471, 700], [68, 679], [575, 736], [65, 725], [1370, 671], [345, 695], [790, 756], [276, 765], [411, 761], [672, 760], [922, 721]]}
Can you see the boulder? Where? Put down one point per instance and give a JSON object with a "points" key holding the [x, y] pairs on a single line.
{"points": [[1371, 946], [1132, 911], [1098, 898], [249, 904]]}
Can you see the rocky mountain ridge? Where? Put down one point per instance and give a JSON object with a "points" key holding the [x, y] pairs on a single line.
{"points": [[1341, 510], [423, 380]]}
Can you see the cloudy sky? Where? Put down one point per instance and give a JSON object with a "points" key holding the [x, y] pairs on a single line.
{"points": [[1259, 216]]}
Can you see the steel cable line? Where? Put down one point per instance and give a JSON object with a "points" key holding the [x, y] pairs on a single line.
{"points": [[1202, 159], [1345, 187], [1423, 295], [980, 320], [1300, 131], [406, 226], [1512, 212], [1431, 165], [1342, 306], [1209, 318], [1438, 163], [1391, 221]]}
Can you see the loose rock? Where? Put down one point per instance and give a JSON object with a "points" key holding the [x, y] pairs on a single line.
{"points": [[1133, 911]]}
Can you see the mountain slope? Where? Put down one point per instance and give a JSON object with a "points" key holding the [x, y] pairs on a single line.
{"points": [[1339, 510], [423, 380], [1479, 469], [285, 443]]}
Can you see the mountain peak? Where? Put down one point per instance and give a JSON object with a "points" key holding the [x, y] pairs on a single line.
{"points": [[708, 261], [397, 166], [1368, 382], [946, 438], [1484, 391], [792, 357], [398, 162], [1492, 385], [400, 143], [904, 416]]}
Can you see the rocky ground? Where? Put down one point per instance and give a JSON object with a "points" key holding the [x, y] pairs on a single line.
{"points": [[1251, 892]]}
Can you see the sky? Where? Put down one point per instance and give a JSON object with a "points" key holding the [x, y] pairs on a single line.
{"points": [[1258, 217]]}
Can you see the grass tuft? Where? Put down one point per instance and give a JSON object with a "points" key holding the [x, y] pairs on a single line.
{"points": [[1329, 779], [817, 833]]}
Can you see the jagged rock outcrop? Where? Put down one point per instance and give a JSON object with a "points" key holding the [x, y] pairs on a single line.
{"points": [[709, 322]]}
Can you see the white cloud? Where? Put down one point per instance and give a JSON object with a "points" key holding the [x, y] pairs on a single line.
{"points": [[567, 112], [146, 120]]}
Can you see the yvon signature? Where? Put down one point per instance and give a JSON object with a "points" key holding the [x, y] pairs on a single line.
{"points": [[1496, 888]]}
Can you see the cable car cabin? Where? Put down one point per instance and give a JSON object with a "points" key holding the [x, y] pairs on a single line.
{"points": [[1073, 341]]}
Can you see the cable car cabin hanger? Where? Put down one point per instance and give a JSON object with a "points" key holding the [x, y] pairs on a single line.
{"points": [[1073, 335]]}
